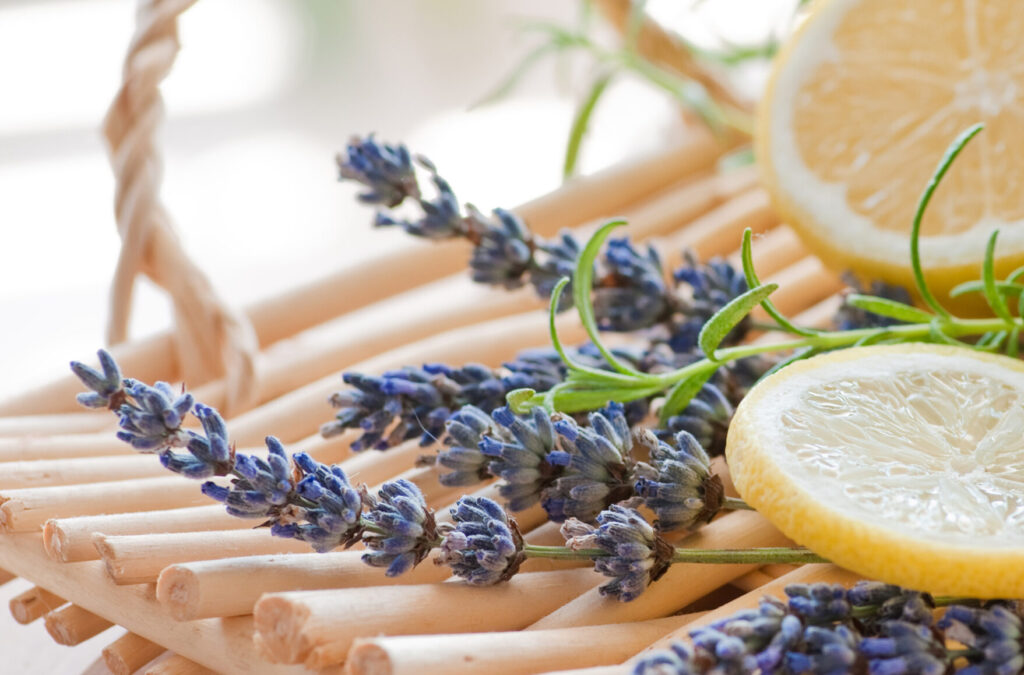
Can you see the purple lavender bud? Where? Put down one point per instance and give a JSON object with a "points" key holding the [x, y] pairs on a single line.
{"points": [[597, 466], [825, 651], [819, 603], [678, 659], [153, 422], [885, 602], [386, 170], [905, 648], [706, 418], [683, 492], [502, 250], [107, 386], [209, 455], [465, 430], [518, 454], [482, 544], [994, 635], [707, 288], [401, 530], [637, 555], [631, 292]]}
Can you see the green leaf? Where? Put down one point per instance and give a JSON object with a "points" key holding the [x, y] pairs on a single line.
{"points": [[1013, 344], [747, 254], [938, 334], [581, 122], [977, 286], [571, 400], [522, 401], [889, 308], [915, 231], [582, 284], [680, 396], [511, 81], [988, 277], [719, 325], [873, 338]]}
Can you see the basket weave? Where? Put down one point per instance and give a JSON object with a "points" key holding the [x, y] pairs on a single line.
{"points": [[61, 468]]}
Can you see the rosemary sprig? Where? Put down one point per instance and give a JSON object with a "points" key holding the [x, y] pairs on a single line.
{"points": [[586, 388]]}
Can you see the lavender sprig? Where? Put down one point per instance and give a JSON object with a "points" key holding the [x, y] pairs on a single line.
{"points": [[107, 387], [401, 530], [482, 544], [681, 490], [386, 170]]}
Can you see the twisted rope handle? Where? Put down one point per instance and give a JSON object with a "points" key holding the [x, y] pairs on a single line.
{"points": [[212, 339]]}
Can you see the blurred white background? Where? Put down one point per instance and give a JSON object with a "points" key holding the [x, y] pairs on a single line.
{"points": [[263, 95]]}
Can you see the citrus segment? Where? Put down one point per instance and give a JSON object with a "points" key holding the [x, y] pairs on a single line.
{"points": [[903, 463], [863, 103]]}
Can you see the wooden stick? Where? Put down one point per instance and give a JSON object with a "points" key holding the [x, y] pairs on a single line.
{"points": [[751, 581], [318, 627], [139, 559], [129, 653], [506, 653], [61, 423], [231, 586], [681, 585], [360, 285], [222, 644], [70, 539], [176, 664], [27, 509], [721, 230], [77, 471], [6, 576], [73, 625], [35, 602], [24, 448]]}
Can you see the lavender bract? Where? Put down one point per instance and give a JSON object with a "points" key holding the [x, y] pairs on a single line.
{"points": [[153, 423], [208, 455], [386, 170], [400, 529], [519, 453], [596, 465], [482, 544], [682, 491], [636, 556], [107, 386]]}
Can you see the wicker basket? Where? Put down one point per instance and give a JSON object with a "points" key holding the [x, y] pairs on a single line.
{"points": [[198, 590]]}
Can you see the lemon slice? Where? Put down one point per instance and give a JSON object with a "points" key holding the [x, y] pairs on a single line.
{"points": [[902, 463], [862, 104]]}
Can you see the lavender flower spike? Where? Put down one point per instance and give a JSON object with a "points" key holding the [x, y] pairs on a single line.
{"points": [[819, 603], [260, 488], [683, 492], [755, 640], [994, 635], [466, 428], [385, 169], [519, 455], [636, 555], [597, 465], [482, 544], [208, 455], [400, 529], [107, 387], [905, 648], [330, 507], [678, 659], [154, 423]]}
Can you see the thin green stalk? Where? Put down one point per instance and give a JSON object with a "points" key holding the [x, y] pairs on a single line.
{"points": [[734, 504]]}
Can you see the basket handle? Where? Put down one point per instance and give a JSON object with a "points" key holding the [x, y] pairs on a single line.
{"points": [[211, 338]]}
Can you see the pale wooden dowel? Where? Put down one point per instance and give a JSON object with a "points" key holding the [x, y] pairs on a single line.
{"points": [[28, 509], [129, 653], [291, 312], [803, 284], [6, 576], [807, 574], [751, 581], [139, 559], [593, 670], [721, 230], [35, 602], [681, 585], [222, 644], [73, 625], [68, 446], [176, 664], [60, 423], [231, 587], [70, 539], [772, 251], [506, 653], [77, 471], [317, 627]]}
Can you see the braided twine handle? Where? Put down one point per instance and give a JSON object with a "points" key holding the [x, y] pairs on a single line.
{"points": [[211, 338]]}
